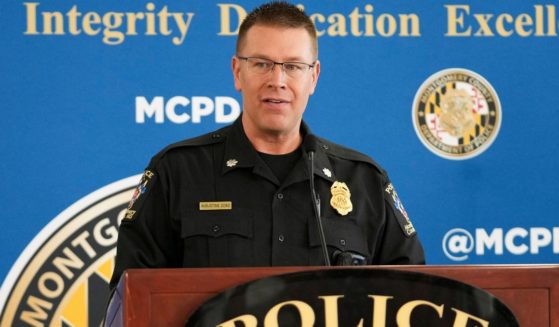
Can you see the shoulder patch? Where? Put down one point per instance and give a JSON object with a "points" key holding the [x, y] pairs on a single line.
{"points": [[138, 192], [401, 214]]}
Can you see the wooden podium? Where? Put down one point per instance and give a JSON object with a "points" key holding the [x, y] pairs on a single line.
{"points": [[166, 297]]}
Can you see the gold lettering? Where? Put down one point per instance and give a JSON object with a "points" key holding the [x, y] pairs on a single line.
{"points": [[521, 21], [379, 308], [331, 309], [246, 320], [46, 282], [305, 312], [111, 21], [369, 29], [354, 21], [551, 21], [163, 14], [539, 20], [91, 18], [73, 15], [71, 260], [225, 14], [337, 25], [99, 233], [542, 22], [386, 25], [31, 12], [48, 19], [407, 23], [462, 319], [500, 25], [150, 19], [183, 26], [483, 21], [131, 22], [403, 317], [455, 20], [38, 306], [81, 240], [318, 18]]}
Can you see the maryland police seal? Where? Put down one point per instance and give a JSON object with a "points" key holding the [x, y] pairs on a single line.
{"points": [[456, 114], [62, 277]]}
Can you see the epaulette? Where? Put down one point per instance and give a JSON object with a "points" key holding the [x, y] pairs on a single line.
{"points": [[202, 140], [346, 153]]}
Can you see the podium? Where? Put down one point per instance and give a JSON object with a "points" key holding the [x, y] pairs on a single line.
{"points": [[167, 297]]}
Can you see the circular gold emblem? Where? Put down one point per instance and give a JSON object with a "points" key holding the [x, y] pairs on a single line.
{"points": [[61, 278], [456, 114]]}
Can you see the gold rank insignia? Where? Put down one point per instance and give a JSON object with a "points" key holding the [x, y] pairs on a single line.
{"points": [[341, 198]]}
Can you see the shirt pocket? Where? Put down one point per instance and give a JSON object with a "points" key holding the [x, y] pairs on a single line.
{"points": [[218, 238], [341, 234]]}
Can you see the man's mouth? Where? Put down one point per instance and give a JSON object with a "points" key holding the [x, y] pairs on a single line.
{"points": [[274, 100]]}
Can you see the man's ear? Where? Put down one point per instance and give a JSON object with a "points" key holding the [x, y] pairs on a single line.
{"points": [[236, 68], [315, 74]]}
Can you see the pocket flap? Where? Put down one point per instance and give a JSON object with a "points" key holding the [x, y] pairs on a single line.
{"points": [[344, 235], [217, 223]]}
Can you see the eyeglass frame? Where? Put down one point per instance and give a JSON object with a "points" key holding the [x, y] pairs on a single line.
{"points": [[282, 64]]}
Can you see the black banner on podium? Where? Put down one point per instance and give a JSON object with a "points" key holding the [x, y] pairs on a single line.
{"points": [[355, 297]]}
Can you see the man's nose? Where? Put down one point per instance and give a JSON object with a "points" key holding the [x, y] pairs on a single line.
{"points": [[277, 76]]}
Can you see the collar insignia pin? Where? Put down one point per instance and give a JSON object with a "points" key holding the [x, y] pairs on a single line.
{"points": [[327, 172], [231, 162]]}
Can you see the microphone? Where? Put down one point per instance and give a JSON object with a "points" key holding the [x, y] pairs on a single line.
{"points": [[310, 145]]}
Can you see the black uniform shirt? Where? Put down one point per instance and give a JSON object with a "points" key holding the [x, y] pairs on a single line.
{"points": [[211, 201]]}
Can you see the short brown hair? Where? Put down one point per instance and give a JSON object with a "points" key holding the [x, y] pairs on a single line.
{"points": [[280, 14]]}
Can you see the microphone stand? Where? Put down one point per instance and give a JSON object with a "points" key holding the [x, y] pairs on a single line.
{"points": [[316, 206]]}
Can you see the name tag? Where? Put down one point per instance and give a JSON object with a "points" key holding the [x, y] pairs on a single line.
{"points": [[219, 205]]}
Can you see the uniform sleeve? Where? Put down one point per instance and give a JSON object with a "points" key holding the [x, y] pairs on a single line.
{"points": [[400, 244], [147, 238]]}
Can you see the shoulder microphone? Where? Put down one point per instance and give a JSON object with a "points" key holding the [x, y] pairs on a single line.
{"points": [[310, 145]]}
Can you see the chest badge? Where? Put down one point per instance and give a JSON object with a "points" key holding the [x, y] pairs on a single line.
{"points": [[231, 162], [341, 198]]}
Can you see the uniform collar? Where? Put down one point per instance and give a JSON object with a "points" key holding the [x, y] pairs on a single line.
{"points": [[322, 165], [240, 153]]}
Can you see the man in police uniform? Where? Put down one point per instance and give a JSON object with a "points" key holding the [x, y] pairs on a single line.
{"points": [[241, 196]]}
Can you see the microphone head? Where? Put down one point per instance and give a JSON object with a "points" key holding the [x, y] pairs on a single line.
{"points": [[310, 144]]}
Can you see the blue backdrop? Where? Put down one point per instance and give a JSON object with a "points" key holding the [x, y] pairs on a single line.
{"points": [[73, 106]]}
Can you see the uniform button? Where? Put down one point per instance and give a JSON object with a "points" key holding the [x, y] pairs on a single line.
{"points": [[216, 228], [280, 196], [342, 242], [281, 238]]}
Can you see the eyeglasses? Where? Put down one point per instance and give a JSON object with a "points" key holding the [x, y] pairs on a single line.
{"points": [[263, 66]]}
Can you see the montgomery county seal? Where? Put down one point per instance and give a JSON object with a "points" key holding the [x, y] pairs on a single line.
{"points": [[456, 114], [62, 277]]}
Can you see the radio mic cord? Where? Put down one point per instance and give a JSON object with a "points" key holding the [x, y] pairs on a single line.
{"points": [[310, 146]]}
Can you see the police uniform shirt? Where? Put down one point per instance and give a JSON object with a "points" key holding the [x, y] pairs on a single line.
{"points": [[211, 201]]}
